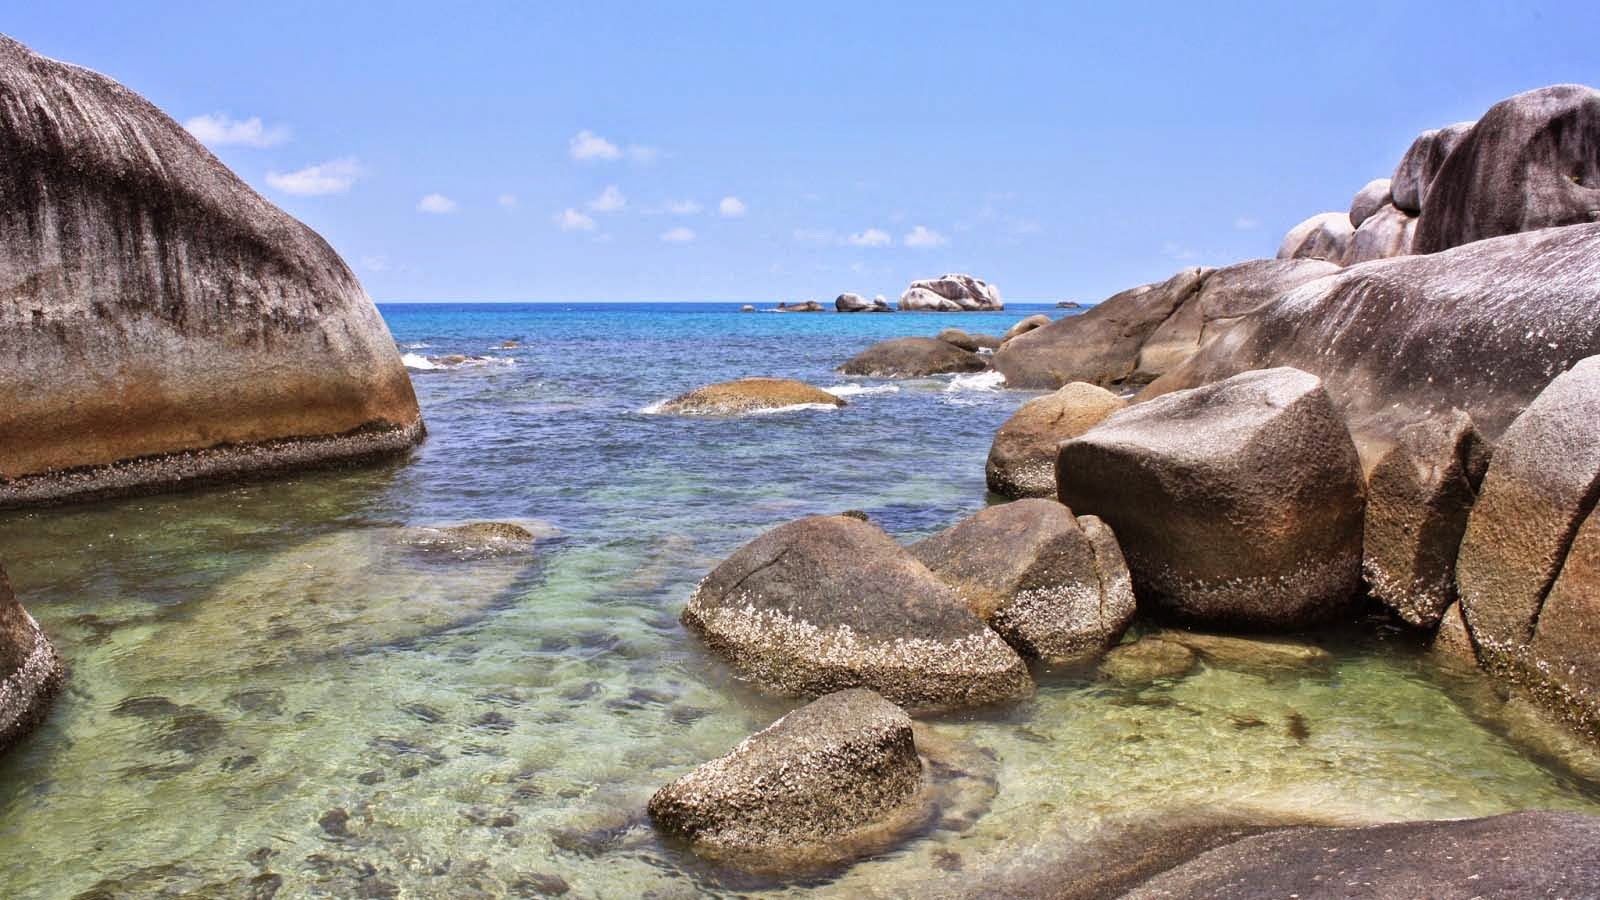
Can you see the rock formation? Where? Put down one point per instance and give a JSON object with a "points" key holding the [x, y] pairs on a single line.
{"points": [[1386, 232], [1421, 163], [972, 343], [848, 302], [30, 671], [1323, 236], [1375, 195], [912, 357], [747, 395], [1037, 320], [951, 293], [1022, 459]]}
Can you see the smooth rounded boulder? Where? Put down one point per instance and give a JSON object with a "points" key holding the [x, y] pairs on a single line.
{"points": [[951, 293], [30, 671], [748, 395], [1022, 458], [848, 302], [831, 602], [1037, 320], [164, 323], [912, 357], [1531, 162], [1372, 197], [1323, 236], [810, 785], [1054, 586], [1237, 505], [966, 341], [1386, 232], [1421, 162]]}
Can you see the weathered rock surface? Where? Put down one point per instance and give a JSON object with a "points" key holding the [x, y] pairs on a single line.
{"points": [[30, 671], [1525, 854], [830, 602], [478, 540], [1421, 163], [1532, 161], [1387, 232], [1323, 236], [747, 395], [163, 322], [1147, 659], [1374, 196], [1482, 328], [1054, 587], [812, 781], [1038, 320], [1242, 652], [848, 302], [912, 357], [972, 343], [1237, 504], [1418, 498], [951, 293], [1022, 459], [800, 306]]}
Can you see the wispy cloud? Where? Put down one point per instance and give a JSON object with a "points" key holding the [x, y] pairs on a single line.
{"points": [[570, 219], [679, 235], [731, 207], [923, 237], [586, 145], [221, 130], [507, 201], [332, 177], [1179, 252], [872, 237], [813, 235], [644, 156], [683, 208], [437, 204], [610, 200], [1245, 223]]}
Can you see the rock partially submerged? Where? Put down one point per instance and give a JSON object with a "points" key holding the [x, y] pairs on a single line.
{"points": [[1323, 236], [830, 602], [951, 293], [912, 357], [826, 781], [747, 395], [848, 302], [1147, 659], [799, 306], [1022, 459], [30, 671], [168, 325], [1054, 586], [1237, 504], [972, 343]]}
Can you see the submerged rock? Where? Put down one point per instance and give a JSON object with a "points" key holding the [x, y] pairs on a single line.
{"points": [[830, 602], [478, 539], [1247, 652], [746, 395], [817, 784], [164, 323], [951, 293], [1052, 589], [1147, 659], [1237, 504], [30, 671], [1022, 459], [1323, 236], [912, 357]]}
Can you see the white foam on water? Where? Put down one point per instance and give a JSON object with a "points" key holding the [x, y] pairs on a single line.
{"points": [[655, 408], [977, 381], [418, 345], [857, 390], [419, 362], [793, 407]]}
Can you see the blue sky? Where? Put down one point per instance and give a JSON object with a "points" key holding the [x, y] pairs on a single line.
{"points": [[589, 151]]}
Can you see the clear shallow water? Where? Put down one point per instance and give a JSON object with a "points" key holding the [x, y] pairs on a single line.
{"points": [[270, 686]]}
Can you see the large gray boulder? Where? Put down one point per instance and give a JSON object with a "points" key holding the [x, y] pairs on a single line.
{"points": [[30, 671], [1323, 236], [1421, 163], [972, 343], [1375, 195], [1482, 328], [1054, 586], [1532, 161], [848, 302], [951, 293], [1237, 504], [1386, 232], [817, 780], [1419, 495], [912, 357], [830, 602], [1022, 458], [163, 322]]}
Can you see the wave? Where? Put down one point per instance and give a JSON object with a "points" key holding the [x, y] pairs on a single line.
{"points": [[977, 381], [422, 363], [418, 345], [857, 390], [654, 409], [793, 407], [419, 362], [659, 408]]}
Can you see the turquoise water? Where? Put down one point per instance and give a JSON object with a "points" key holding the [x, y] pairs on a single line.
{"points": [[275, 688]]}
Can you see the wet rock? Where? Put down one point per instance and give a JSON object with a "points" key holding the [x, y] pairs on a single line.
{"points": [[493, 721], [829, 602], [258, 701], [1037, 320], [1323, 236], [1022, 459], [1147, 659], [1387, 232], [375, 776], [951, 293], [969, 342], [30, 672], [1421, 163], [1418, 498], [1532, 161], [912, 357], [422, 712], [127, 370], [1374, 196], [540, 884], [1237, 505], [477, 540], [1037, 577], [808, 785], [1260, 653], [801, 306], [586, 691], [746, 395], [336, 822]]}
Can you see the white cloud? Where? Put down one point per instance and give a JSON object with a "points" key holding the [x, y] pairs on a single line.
{"points": [[813, 235], [1179, 252], [571, 220], [1245, 223], [644, 156], [872, 237], [507, 201], [436, 203], [683, 208], [923, 237], [586, 145], [732, 207], [374, 263], [610, 200], [332, 177], [221, 130], [679, 235]]}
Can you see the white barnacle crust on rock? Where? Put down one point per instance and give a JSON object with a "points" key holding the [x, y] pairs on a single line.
{"points": [[30, 671]]}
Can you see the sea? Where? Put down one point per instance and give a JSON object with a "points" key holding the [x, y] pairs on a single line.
{"points": [[276, 688]]}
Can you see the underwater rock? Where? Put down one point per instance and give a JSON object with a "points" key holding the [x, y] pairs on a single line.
{"points": [[731, 398], [966, 341], [477, 540], [1237, 504], [1373, 196], [1421, 163], [912, 357], [164, 324], [1264, 653], [1022, 459], [1037, 320], [1323, 236], [951, 293], [1147, 659], [830, 602], [30, 672], [1036, 577]]}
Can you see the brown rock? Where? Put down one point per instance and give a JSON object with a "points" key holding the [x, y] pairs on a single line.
{"points": [[1147, 659], [1022, 459], [1038, 320], [972, 343], [746, 395], [1323, 236], [30, 671], [1417, 168], [1387, 232], [912, 357]]}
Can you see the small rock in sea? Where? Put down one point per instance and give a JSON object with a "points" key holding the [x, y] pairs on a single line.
{"points": [[747, 395], [423, 712], [372, 777], [947, 860], [1258, 653], [509, 345], [1243, 723], [856, 514], [747, 308], [493, 721], [912, 357], [1297, 727], [541, 884], [683, 714], [266, 701], [335, 822]]}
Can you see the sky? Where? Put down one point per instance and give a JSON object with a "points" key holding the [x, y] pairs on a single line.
{"points": [[598, 151]]}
